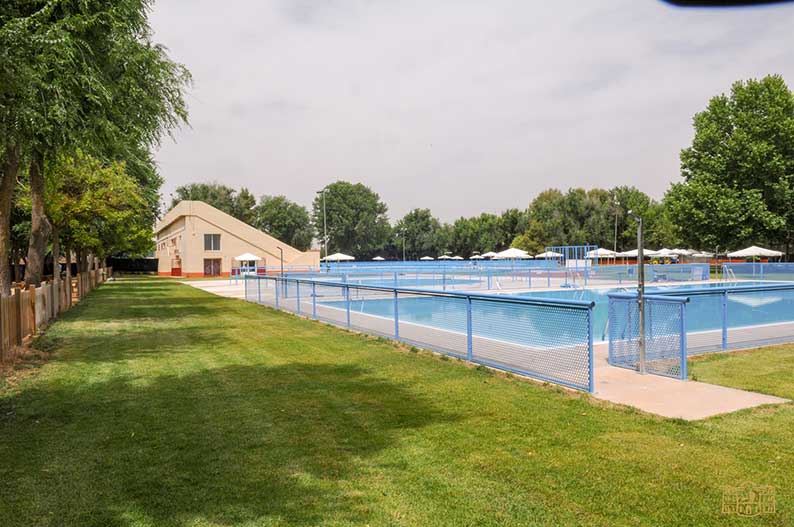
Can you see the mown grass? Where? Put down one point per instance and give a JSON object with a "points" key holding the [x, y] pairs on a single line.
{"points": [[767, 370], [165, 405]]}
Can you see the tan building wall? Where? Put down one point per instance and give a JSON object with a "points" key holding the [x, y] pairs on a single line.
{"points": [[181, 251]]}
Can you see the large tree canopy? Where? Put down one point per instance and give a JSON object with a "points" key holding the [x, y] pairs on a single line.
{"points": [[739, 170], [285, 220], [420, 233], [238, 204], [356, 219]]}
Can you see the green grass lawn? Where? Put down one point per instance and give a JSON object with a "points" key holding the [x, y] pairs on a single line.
{"points": [[165, 405], [766, 370]]}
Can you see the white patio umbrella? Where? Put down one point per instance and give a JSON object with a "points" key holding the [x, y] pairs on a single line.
{"points": [[427, 258], [667, 253], [512, 254], [456, 258], [247, 257], [600, 253], [378, 259], [702, 255], [490, 254], [338, 257], [633, 253], [445, 257], [476, 257], [754, 251], [549, 254]]}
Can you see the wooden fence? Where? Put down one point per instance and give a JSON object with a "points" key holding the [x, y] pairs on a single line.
{"points": [[29, 310]]}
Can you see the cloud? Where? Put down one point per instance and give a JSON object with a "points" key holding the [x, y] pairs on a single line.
{"points": [[461, 106]]}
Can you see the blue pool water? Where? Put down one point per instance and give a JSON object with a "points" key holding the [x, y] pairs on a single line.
{"points": [[534, 325]]}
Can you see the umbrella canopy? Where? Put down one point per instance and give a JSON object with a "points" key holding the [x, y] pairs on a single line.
{"points": [[667, 253], [476, 257], [753, 251], [600, 253], [338, 257], [702, 255], [633, 253], [549, 254], [247, 257], [489, 255], [512, 254], [378, 259], [684, 252], [456, 258], [445, 257], [427, 258]]}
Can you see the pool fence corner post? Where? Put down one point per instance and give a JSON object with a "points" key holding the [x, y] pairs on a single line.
{"points": [[489, 279], [469, 336], [277, 285], [258, 290], [298, 296], [590, 361], [443, 279], [314, 300], [396, 316], [347, 297], [724, 319], [684, 366], [395, 278]]}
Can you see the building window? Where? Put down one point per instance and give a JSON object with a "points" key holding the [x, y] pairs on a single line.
{"points": [[212, 242]]}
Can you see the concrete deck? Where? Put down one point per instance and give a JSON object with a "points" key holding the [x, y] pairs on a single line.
{"points": [[654, 394]]}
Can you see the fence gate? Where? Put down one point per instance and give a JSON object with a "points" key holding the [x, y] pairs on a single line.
{"points": [[665, 334]]}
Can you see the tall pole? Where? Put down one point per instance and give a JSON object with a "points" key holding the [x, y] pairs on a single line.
{"points": [[280, 250], [403, 233], [640, 290], [325, 224], [617, 210]]}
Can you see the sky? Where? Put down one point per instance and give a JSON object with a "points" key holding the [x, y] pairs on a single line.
{"points": [[458, 106]]}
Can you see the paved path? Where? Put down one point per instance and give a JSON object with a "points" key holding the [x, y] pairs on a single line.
{"points": [[663, 396]]}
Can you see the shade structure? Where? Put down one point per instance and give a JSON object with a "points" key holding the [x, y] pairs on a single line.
{"points": [[476, 257], [445, 257], [600, 253], [490, 254], [755, 251], [378, 259], [456, 258], [247, 257], [427, 258], [633, 253], [512, 254], [338, 257], [702, 255], [667, 253], [549, 254], [684, 252]]}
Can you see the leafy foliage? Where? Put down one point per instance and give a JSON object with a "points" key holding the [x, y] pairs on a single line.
{"points": [[285, 220]]}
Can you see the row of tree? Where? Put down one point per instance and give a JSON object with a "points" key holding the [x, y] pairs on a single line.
{"points": [[737, 189], [85, 97]]}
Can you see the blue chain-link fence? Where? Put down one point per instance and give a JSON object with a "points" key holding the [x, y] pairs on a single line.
{"points": [[776, 271], [551, 340]]}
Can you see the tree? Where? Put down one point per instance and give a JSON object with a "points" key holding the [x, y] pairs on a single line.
{"points": [[238, 204], [743, 150], [356, 219], [285, 220], [421, 233]]}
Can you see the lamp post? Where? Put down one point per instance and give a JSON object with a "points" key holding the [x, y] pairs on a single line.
{"points": [[325, 222], [617, 210], [640, 288], [280, 250], [402, 232]]}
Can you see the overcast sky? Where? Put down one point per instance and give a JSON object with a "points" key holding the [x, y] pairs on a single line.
{"points": [[457, 106]]}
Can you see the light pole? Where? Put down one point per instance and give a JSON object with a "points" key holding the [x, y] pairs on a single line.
{"points": [[325, 222], [617, 210], [280, 250], [640, 288], [403, 235]]}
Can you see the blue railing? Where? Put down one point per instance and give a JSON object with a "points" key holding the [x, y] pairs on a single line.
{"points": [[550, 340], [781, 271]]}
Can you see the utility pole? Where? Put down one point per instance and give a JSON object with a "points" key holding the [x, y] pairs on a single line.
{"points": [[640, 289], [325, 222], [617, 210]]}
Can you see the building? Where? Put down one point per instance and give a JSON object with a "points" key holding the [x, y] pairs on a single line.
{"points": [[196, 239]]}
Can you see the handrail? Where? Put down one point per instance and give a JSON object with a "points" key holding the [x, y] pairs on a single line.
{"points": [[508, 299], [654, 297], [730, 289]]}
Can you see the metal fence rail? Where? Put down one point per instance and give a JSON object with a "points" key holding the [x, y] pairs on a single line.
{"points": [[665, 334], [779, 271], [550, 340]]}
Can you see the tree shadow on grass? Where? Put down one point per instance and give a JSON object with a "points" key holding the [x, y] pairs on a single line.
{"points": [[281, 444]]}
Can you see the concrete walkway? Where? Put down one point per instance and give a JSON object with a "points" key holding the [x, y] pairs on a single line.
{"points": [[654, 394]]}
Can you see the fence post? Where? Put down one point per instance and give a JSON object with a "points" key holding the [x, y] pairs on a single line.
{"points": [[396, 317], [684, 355], [591, 380], [548, 277], [298, 296], [276, 287], [314, 300], [258, 289], [469, 337], [489, 279], [725, 319], [32, 293], [347, 297], [18, 310]]}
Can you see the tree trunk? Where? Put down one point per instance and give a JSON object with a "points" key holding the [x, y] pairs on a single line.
{"points": [[39, 225], [68, 274], [8, 183], [15, 256]]}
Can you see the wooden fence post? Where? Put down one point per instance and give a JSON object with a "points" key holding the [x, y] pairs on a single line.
{"points": [[18, 315], [32, 309]]}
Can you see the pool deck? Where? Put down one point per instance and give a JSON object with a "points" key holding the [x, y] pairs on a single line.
{"points": [[667, 397]]}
